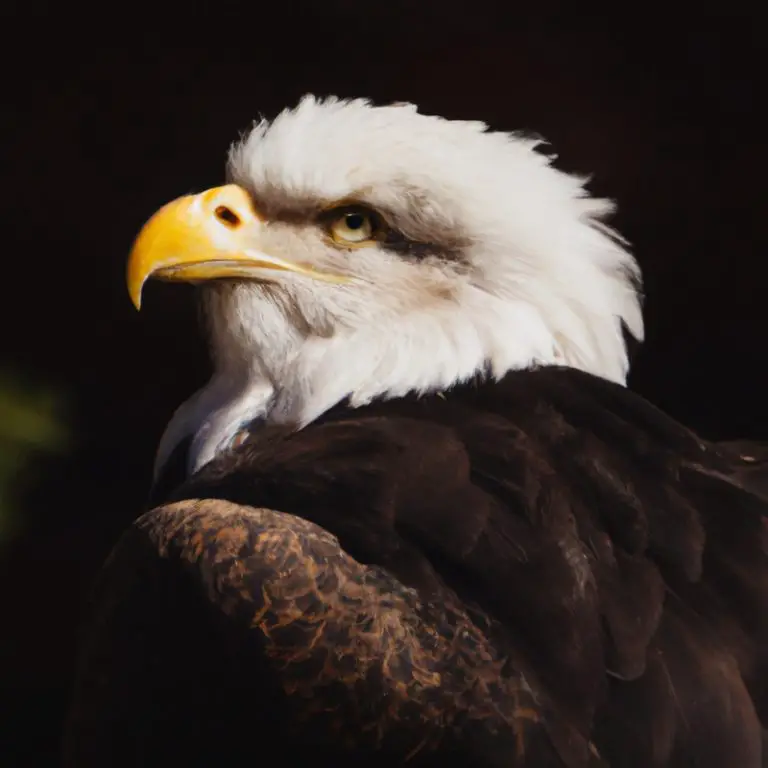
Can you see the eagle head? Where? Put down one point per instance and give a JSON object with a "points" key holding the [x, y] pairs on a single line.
{"points": [[363, 252]]}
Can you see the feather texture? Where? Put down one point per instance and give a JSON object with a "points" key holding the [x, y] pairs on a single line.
{"points": [[544, 571]]}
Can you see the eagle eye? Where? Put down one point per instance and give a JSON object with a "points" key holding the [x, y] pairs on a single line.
{"points": [[353, 225]]}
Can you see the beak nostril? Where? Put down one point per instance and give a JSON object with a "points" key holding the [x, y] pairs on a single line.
{"points": [[227, 216]]}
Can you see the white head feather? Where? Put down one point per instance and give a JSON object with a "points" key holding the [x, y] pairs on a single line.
{"points": [[523, 271]]}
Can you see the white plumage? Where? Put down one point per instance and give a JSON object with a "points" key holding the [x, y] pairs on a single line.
{"points": [[520, 270]]}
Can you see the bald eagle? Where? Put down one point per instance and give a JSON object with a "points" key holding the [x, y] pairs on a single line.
{"points": [[416, 516]]}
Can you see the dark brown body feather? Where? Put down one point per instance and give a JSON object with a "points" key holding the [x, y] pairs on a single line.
{"points": [[546, 571]]}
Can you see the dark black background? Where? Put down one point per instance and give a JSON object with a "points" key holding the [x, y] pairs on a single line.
{"points": [[662, 107]]}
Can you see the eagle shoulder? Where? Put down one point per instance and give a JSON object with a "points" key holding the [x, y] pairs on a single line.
{"points": [[546, 570], [343, 651]]}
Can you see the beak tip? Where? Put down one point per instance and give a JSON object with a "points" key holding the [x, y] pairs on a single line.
{"points": [[134, 293]]}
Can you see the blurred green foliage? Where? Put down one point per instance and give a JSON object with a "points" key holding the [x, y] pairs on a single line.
{"points": [[31, 424]]}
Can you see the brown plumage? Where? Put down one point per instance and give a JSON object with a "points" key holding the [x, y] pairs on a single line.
{"points": [[544, 571]]}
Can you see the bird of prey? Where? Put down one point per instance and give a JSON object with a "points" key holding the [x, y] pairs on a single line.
{"points": [[416, 517]]}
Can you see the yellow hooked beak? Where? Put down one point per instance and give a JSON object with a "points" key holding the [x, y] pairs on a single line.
{"points": [[208, 236]]}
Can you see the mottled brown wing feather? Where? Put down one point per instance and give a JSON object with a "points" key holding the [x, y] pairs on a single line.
{"points": [[363, 666]]}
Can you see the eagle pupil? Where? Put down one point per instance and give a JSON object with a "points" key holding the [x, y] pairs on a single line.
{"points": [[355, 220]]}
